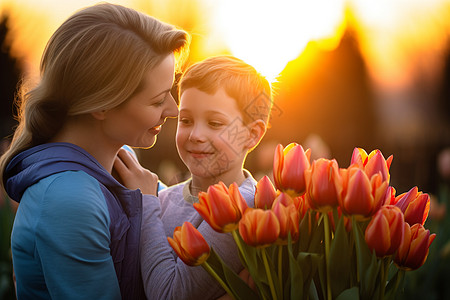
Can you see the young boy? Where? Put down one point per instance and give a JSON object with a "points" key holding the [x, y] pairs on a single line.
{"points": [[224, 110]]}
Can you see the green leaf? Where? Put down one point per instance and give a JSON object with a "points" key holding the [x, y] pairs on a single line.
{"points": [[340, 260], [394, 283], [296, 276], [371, 279], [363, 255], [349, 294]]}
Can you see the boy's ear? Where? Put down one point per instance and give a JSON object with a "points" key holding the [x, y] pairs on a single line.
{"points": [[257, 130], [99, 115]]}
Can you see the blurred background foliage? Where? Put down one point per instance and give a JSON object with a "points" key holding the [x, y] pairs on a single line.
{"points": [[377, 77]]}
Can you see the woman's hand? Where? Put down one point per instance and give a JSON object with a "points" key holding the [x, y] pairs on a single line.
{"points": [[132, 175]]}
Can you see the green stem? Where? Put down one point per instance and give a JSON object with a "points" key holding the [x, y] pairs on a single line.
{"points": [[358, 279], [210, 270], [239, 245], [269, 274], [384, 273], [327, 252], [280, 266]]}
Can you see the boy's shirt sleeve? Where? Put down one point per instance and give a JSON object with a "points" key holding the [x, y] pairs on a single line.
{"points": [[165, 276], [73, 238]]}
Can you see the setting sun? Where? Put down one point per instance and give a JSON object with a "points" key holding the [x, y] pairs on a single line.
{"points": [[268, 34]]}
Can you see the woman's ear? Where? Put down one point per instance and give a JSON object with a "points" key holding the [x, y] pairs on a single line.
{"points": [[257, 129], [99, 115]]}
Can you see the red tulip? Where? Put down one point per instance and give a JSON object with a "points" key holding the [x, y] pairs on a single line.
{"points": [[288, 217], [265, 193], [289, 166], [259, 228], [323, 183], [415, 206], [360, 195], [413, 252], [384, 234], [221, 207], [189, 244], [373, 163]]}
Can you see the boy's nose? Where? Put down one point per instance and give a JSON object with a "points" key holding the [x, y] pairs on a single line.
{"points": [[197, 134]]}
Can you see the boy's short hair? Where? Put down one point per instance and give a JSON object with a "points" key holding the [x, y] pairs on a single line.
{"points": [[241, 81]]}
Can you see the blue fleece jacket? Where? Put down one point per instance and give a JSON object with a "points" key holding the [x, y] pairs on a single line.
{"points": [[76, 232]]}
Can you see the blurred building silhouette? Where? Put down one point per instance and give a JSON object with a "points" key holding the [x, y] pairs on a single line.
{"points": [[327, 93]]}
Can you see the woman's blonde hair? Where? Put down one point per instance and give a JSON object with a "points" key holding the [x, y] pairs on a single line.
{"points": [[241, 81], [95, 60]]}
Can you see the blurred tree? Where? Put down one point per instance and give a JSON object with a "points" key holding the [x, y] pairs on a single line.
{"points": [[10, 73]]}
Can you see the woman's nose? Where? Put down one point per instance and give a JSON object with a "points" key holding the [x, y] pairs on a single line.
{"points": [[172, 109]]}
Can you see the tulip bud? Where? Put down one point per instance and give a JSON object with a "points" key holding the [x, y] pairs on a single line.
{"points": [[259, 228], [221, 207], [189, 244], [289, 166], [413, 252], [265, 193], [384, 234]]}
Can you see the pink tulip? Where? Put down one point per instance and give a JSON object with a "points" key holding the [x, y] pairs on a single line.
{"points": [[323, 184], [265, 193], [289, 166], [373, 163], [415, 206]]}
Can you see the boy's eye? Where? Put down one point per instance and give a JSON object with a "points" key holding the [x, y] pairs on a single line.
{"points": [[184, 121], [215, 124]]}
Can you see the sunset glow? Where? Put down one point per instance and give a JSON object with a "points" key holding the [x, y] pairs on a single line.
{"points": [[392, 34], [268, 34]]}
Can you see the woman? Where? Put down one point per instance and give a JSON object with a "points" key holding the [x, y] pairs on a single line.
{"points": [[106, 76]]}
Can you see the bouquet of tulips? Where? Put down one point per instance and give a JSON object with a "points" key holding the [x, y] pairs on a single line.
{"points": [[317, 232]]}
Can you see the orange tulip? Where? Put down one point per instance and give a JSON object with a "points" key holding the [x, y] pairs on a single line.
{"points": [[283, 198], [265, 193], [373, 163], [360, 195], [323, 183], [413, 252], [189, 244], [288, 217], [289, 166], [221, 207], [259, 228], [384, 234], [415, 206]]}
